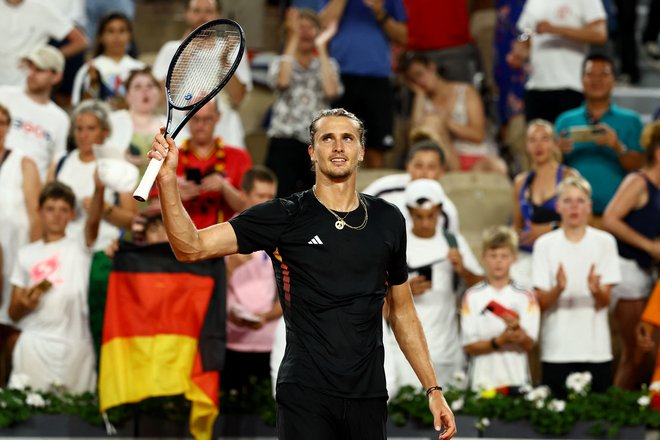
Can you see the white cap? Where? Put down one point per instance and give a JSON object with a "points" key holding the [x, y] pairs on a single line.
{"points": [[47, 58], [424, 194]]}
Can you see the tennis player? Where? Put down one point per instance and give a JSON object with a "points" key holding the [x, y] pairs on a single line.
{"points": [[338, 256]]}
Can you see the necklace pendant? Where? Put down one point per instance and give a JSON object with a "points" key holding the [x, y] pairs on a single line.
{"points": [[339, 224]]}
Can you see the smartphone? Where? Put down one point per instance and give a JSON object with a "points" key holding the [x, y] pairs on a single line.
{"points": [[194, 175], [42, 287], [585, 133], [426, 272]]}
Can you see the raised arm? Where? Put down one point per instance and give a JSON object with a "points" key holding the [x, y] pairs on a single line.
{"points": [[31, 190], [333, 11], [410, 336], [187, 242]]}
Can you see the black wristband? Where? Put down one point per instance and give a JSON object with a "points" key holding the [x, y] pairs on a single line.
{"points": [[383, 19], [494, 344], [431, 389]]}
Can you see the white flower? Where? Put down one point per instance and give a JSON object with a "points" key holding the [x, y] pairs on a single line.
{"points": [[578, 382], [459, 377], [655, 386], [644, 401], [34, 399], [539, 404], [484, 422], [19, 381], [526, 388], [557, 405], [538, 393], [457, 404]]}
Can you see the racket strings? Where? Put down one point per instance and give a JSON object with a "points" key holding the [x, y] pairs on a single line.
{"points": [[203, 64]]}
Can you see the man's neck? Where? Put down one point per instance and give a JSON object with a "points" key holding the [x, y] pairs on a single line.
{"points": [[338, 195], [50, 237], [574, 234], [202, 149], [598, 107], [39, 97]]}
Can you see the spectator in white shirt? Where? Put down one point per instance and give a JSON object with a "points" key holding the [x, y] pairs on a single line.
{"points": [[573, 270]]}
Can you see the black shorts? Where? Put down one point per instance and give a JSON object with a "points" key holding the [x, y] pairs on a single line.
{"points": [[554, 374], [372, 100], [303, 414]]}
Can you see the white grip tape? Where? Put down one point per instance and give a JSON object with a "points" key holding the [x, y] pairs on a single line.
{"points": [[142, 191]]}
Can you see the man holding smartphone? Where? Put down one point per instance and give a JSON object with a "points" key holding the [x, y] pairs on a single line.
{"points": [[435, 258], [600, 139], [210, 172]]}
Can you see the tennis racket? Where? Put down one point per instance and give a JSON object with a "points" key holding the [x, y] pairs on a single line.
{"points": [[200, 68]]}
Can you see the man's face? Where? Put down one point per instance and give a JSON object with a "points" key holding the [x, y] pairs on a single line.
{"points": [[498, 261], [202, 125], [425, 221], [425, 165], [574, 207], [336, 148], [55, 215], [40, 80], [261, 192], [598, 80], [201, 11]]}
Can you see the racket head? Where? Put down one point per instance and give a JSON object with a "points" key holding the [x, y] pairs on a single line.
{"points": [[203, 63]]}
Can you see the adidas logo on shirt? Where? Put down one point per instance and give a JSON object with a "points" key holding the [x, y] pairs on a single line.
{"points": [[315, 240]]}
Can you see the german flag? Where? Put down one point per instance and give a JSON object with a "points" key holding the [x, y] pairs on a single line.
{"points": [[164, 332]]}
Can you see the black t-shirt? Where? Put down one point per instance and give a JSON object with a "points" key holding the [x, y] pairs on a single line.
{"points": [[332, 284]]}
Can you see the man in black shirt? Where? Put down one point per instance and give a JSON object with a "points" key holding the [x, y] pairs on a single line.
{"points": [[338, 256]]}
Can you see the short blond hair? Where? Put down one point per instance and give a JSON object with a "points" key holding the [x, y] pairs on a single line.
{"points": [[497, 237], [578, 182]]}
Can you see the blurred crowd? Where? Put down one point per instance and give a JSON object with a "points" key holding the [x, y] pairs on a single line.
{"points": [[519, 88]]}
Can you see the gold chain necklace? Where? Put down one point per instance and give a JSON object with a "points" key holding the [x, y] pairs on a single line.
{"points": [[341, 222]]}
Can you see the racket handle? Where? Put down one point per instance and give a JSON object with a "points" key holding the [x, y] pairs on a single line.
{"points": [[142, 191]]}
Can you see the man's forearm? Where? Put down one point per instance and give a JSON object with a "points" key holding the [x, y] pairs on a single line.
{"points": [[181, 231]]}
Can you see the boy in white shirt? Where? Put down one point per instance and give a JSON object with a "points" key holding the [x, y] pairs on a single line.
{"points": [[435, 257], [499, 320], [49, 297], [573, 270]]}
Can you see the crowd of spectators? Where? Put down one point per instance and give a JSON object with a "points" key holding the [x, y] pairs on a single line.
{"points": [[584, 237]]}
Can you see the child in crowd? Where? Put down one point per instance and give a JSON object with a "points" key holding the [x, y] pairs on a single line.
{"points": [[573, 271], [49, 297], [500, 320], [104, 76]]}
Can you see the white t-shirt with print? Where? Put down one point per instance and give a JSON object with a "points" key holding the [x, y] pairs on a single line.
{"points": [[114, 75], [436, 307], [573, 330], [26, 27], [506, 367], [55, 345], [555, 61], [391, 188], [38, 130]]}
